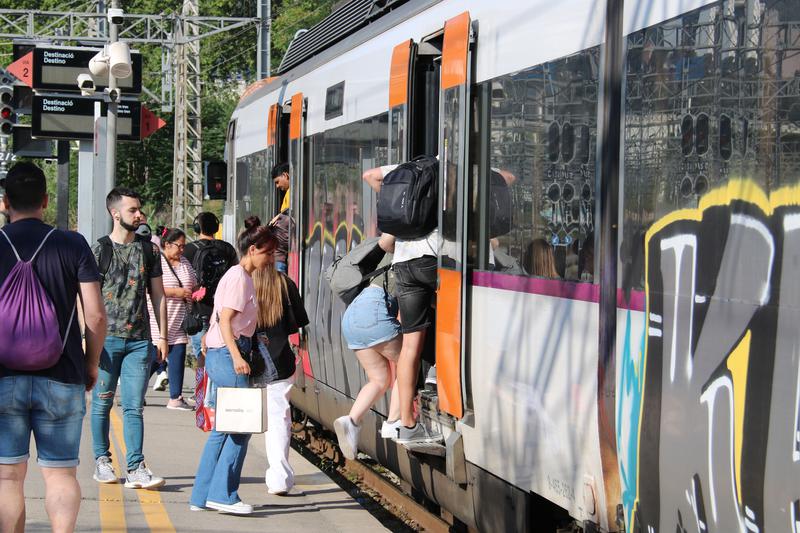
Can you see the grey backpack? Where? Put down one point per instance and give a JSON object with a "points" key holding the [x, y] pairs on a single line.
{"points": [[351, 273]]}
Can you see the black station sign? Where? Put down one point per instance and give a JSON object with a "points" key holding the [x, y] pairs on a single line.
{"points": [[56, 68], [72, 117]]}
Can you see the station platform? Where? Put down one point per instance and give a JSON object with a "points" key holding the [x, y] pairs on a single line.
{"points": [[172, 450]]}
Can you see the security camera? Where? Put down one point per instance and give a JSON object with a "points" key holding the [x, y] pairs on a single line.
{"points": [[112, 95], [119, 60], [98, 64], [115, 15], [86, 84]]}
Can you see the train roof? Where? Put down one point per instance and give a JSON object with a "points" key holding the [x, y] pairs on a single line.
{"points": [[344, 21]]}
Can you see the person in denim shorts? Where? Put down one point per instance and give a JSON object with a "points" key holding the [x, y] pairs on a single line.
{"points": [[372, 330], [415, 269], [48, 403]]}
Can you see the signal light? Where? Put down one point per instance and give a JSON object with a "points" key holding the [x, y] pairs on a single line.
{"points": [[7, 117], [216, 180]]}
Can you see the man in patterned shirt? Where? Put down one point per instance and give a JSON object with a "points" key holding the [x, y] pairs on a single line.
{"points": [[129, 267]]}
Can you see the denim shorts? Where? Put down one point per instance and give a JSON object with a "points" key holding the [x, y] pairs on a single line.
{"points": [[370, 319], [415, 281], [52, 410]]}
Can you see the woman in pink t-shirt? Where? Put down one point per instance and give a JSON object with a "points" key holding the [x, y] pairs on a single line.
{"points": [[233, 322]]}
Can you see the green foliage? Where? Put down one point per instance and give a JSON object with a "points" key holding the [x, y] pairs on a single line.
{"points": [[289, 16]]}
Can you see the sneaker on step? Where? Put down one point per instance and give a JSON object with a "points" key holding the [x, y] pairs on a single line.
{"points": [[231, 508], [347, 435], [104, 470], [142, 478], [389, 429], [161, 381], [416, 435], [180, 404], [430, 379]]}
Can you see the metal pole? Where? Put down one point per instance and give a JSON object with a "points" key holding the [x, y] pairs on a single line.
{"points": [[263, 12], [111, 128], [62, 186]]}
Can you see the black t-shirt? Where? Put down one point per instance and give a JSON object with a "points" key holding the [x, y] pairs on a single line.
{"points": [[205, 307], [279, 348], [64, 262]]}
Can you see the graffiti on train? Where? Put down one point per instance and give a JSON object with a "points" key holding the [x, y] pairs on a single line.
{"points": [[715, 444]]}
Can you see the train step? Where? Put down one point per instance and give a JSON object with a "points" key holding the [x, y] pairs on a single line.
{"points": [[426, 448]]}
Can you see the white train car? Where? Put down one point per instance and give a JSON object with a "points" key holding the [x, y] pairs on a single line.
{"points": [[625, 355]]}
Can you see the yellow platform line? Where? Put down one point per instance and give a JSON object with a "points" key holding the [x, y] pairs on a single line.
{"points": [[150, 500], [112, 503]]}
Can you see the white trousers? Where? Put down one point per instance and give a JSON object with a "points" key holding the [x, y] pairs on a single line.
{"points": [[279, 476]]}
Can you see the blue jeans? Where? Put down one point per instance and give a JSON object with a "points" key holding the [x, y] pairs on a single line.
{"points": [[281, 266], [129, 361], [177, 360], [52, 410], [220, 469]]}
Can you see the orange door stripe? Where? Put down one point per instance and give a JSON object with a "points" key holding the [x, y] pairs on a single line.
{"points": [[398, 74], [454, 51], [296, 118], [272, 124], [448, 342]]}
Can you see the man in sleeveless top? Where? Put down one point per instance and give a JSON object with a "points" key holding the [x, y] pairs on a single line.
{"points": [[48, 403]]}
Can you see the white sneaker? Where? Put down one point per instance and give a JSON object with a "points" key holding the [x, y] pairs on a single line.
{"points": [[197, 508], [231, 508], [180, 404], [389, 429], [143, 478], [347, 435], [104, 470], [415, 435], [161, 381]]}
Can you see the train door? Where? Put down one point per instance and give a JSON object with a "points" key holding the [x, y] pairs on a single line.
{"points": [[297, 123], [229, 216], [454, 97]]}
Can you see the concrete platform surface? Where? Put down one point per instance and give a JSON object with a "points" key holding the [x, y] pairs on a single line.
{"points": [[172, 449]]}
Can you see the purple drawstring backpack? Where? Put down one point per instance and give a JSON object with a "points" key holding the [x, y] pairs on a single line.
{"points": [[29, 329]]}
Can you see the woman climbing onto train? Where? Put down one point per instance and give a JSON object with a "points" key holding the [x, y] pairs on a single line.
{"points": [[233, 322], [280, 314], [371, 328]]}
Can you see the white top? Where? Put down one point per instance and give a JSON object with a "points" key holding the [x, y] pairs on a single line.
{"points": [[408, 249]]}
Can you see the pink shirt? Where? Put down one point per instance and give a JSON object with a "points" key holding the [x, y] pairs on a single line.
{"points": [[235, 291]]}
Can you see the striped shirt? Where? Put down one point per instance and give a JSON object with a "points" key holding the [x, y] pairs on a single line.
{"points": [[176, 307]]}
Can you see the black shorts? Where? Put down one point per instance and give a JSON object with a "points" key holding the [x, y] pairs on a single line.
{"points": [[415, 289]]}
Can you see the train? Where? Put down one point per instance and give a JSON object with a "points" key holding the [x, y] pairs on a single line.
{"points": [[649, 379]]}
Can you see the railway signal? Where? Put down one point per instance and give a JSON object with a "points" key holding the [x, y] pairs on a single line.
{"points": [[216, 180], [7, 114]]}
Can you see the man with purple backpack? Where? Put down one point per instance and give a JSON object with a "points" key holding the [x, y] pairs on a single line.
{"points": [[44, 372]]}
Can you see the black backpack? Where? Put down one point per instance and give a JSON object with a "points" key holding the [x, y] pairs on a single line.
{"points": [[500, 208], [210, 263], [407, 201], [107, 252]]}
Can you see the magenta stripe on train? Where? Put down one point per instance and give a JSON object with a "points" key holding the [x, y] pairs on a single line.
{"points": [[586, 292]]}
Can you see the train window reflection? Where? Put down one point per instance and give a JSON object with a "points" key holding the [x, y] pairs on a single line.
{"points": [[542, 123]]}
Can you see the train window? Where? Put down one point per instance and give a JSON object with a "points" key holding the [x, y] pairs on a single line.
{"points": [[676, 111], [334, 101], [536, 163]]}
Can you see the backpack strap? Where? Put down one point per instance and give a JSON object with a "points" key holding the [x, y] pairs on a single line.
{"points": [[106, 254], [69, 326], [375, 273], [34, 253], [149, 255], [11, 244]]}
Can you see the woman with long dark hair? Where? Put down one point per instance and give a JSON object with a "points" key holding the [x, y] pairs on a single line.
{"points": [[233, 322], [179, 282], [280, 314]]}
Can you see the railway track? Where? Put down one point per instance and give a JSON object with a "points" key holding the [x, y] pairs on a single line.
{"points": [[375, 488]]}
